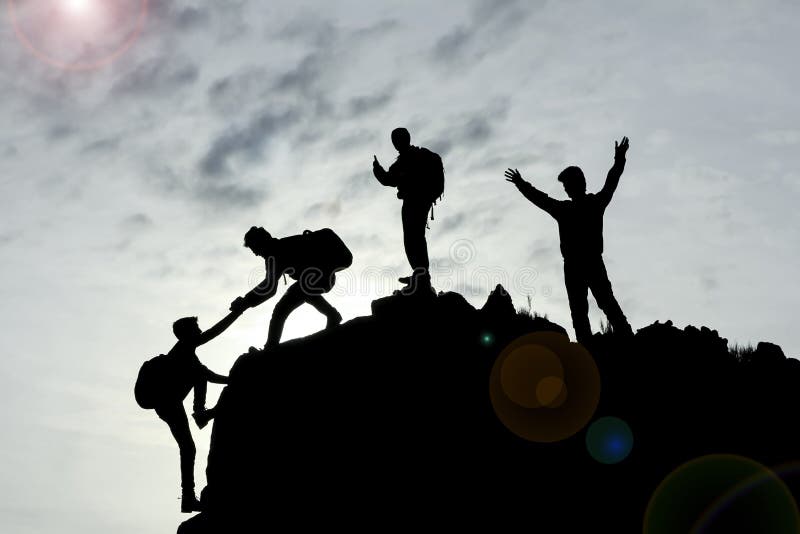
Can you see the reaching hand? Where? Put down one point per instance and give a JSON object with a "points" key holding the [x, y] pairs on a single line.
{"points": [[238, 305], [513, 176], [621, 148], [376, 166]]}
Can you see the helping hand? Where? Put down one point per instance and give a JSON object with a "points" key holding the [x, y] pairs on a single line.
{"points": [[238, 305], [513, 176]]}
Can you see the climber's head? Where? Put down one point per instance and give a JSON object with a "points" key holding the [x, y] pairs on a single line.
{"points": [[401, 139], [574, 182], [186, 329], [259, 241]]}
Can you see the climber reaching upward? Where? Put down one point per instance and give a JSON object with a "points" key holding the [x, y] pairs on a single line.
{"points": [[580, 228]]}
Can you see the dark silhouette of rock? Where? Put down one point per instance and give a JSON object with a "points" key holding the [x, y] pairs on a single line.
{"points": [[499, 304], [387, 420], [769, 354]]}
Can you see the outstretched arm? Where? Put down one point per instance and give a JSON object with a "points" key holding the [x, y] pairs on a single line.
{"points": [[219, 328], [539, 198], [262, 292], [385, 177], [615, 173], [258, 295], [214, 378]]}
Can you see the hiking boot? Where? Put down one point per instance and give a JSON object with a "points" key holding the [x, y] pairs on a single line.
{"points": [[419, 284], [189, 503], [334, 320], [202, 417]]}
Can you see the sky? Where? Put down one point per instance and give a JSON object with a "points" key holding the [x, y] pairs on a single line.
{"points": [[141, 139]]}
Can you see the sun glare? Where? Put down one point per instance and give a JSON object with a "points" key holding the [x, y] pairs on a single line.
{"points": [[78, 7], [78, 34]]}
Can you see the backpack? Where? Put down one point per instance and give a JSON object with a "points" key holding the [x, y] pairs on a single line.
{"points": [[431, 162], [321, 250], [150, 383]]}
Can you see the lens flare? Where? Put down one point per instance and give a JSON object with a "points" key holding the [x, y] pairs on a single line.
{"points": [[487, 339], [544, 388], [78, 7], [722, 493], [609, 440], [77, 34]]}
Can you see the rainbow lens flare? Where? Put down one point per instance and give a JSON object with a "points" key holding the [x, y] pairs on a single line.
{"points": [[722, 494]]}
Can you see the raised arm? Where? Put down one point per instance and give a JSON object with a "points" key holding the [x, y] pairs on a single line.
{"points": [[219, 328], [387, 178], [539, 198], [615, 173]]}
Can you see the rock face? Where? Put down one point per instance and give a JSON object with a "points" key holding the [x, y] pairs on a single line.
{"points": [[386, 421], [499, 304]]}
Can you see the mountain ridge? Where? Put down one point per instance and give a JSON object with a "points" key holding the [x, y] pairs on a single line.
{"points": [[389, 420]]}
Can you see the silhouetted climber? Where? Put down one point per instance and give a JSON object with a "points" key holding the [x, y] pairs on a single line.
{"points": [[312, 259], [580, 227], [165, 381], [418, 175]]}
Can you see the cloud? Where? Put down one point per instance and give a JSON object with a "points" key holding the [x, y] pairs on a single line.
{"points": [[302, 77], [60, 131], [360, 184], [364, 104], [136, 222], [543, 251], [324, 209], [780, 138], [354, 140], [491, 22], [379, 29], [248, 141], [184, 18], [452, 222], [161, 75], [452, 45], [9, 237], [190, 17], [709, 283], [230, 195], [311, 29], [471, 130], [230, 93], [107, 144]]}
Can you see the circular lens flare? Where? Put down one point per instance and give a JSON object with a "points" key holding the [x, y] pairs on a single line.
{"points": [[722, 493], [487, 339], [609, 440], [544, 388], [524, 376], [77, 34]]}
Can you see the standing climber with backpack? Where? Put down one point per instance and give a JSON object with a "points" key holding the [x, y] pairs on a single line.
{"points": [[312, 259], [165, 381], [418, 175]]}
